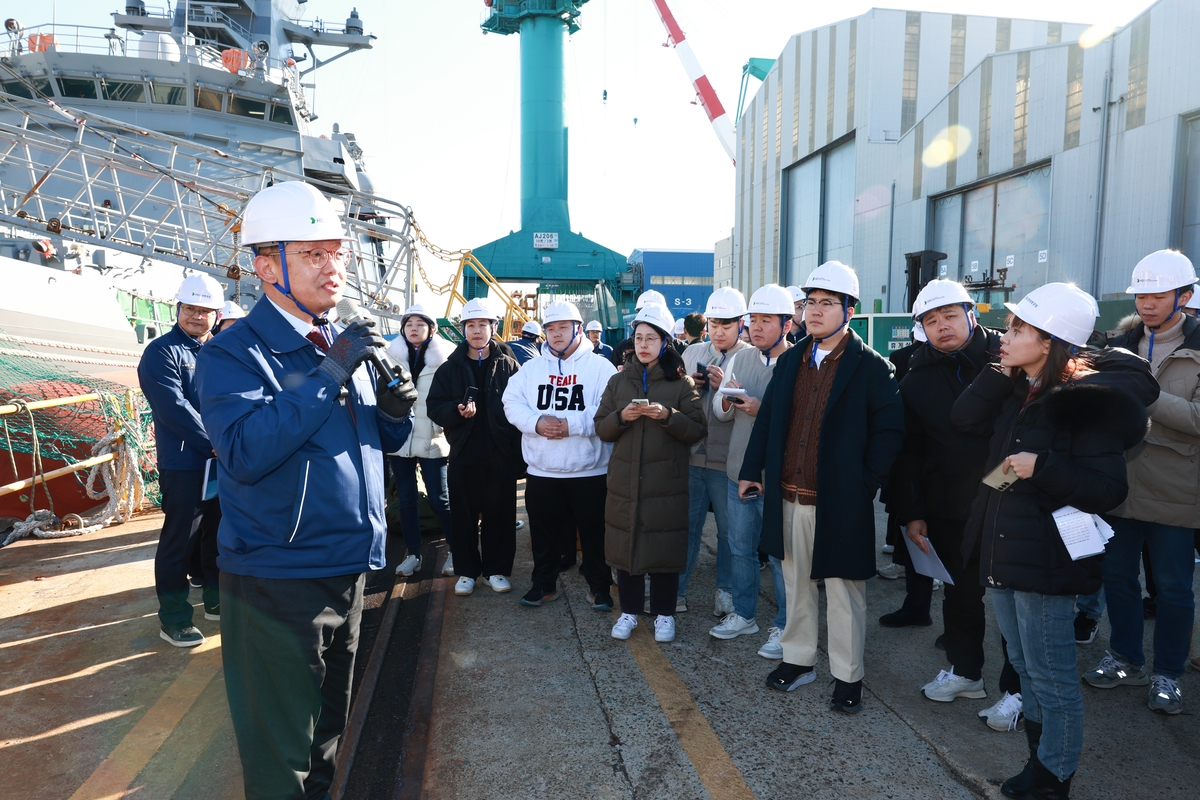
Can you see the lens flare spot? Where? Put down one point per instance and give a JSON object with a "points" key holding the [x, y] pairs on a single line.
{"points": [[1096, 34], [948, 145]]}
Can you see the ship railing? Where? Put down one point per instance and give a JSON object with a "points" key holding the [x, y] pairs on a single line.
{"points": [[108, 184]]}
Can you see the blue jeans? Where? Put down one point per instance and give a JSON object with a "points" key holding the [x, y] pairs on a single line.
{"points": [[1091, 604], [1171, 559], [745, 528], [705, 486], [1040, 632], [433, 473]]}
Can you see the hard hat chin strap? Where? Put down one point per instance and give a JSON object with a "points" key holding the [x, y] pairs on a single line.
{"points": [[561, 354], [1157, 328], [286, 290], [782, 323], [812, 361]]}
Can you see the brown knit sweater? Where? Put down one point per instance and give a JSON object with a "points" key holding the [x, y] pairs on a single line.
{"points": [[813, 385]]}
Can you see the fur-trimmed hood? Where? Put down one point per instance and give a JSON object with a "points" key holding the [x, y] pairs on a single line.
{"points": [[438, 351], [1085, 405], [1126, 325]]}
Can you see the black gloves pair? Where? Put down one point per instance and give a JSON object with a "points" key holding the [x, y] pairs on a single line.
{"points": [[350, 349]]}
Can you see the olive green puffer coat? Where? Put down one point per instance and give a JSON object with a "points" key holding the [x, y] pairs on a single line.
{"points": [[646, 514]]}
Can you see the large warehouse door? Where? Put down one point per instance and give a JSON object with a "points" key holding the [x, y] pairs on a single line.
{"points": [[1190, 241], [819, 219]]}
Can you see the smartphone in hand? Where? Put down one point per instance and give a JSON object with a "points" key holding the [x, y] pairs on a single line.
{"points": [[469, 396]]}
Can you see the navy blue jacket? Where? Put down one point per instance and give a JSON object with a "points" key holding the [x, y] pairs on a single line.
{"points": [[861, 434], [525, 349], [602, 350], [167, 373], [302, 483]]}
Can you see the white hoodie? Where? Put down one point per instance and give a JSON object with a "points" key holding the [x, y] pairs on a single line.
{"points": [[540, 389]]}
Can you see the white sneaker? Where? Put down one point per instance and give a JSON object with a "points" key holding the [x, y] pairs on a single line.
{"points": [[947, 686], [722, 603], [772, 649], [680, 605], [937, 584], [464, 586], [733, 626], [890, 572], [1004, 715], [664, 629], [499, 583], [448, 567], [408, 566], [624, 626]]}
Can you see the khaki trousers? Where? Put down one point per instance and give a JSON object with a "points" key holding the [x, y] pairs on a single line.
{"points": [[846, 603]]}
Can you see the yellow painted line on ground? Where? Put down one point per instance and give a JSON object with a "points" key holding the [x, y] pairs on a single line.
{"points": [[83, 673], [720, 776], [118, 771]]}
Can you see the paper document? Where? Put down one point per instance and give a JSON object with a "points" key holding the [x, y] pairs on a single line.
{"points": [[208, 489], [1080, 532], [732, 391], [929, 564]]}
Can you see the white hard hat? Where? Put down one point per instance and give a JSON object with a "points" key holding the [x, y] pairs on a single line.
{"points": [[1062, 310], [1194, 302], [939, 293], [1162, 271], [291, 211], [919, 332], [479, 308], [833, 276], [797, 293], [594, 325], [532, 327], [232, 310], [679, 327], [418, 310], [202, 291], [658, 316], [725, 303], [771, 299], [561, 311], [650, 297]]}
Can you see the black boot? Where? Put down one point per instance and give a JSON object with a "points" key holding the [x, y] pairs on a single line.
{"points": [[1020, 785], [1047, 786]]}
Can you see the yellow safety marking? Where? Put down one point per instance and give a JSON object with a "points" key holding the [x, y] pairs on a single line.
{"points": [[720, 776], [83, 673], [70, 726], [118, 771]]}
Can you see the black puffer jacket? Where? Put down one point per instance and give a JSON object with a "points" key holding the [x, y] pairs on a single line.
{"points": [[1080, 432], [937, 473], [450, 384]]}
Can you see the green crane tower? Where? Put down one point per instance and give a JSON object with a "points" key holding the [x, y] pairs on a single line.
{"points": [[545, 251]]}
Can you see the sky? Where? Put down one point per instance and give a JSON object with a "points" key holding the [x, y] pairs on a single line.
{"points": [[435, 106]]}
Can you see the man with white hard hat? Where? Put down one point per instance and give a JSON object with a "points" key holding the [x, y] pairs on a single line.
{"points": [[829, 427], [738, 400], [300, 424], [624, 347], [1192, 306], [595, 331], [799, 330], [552, 400], [1162, 508], [167, 375], [466, 399], [708, 483], [528, 345], [230, 314]]}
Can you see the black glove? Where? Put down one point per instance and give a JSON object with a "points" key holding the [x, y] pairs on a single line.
{"points": [[350, 349], [395, 404]]}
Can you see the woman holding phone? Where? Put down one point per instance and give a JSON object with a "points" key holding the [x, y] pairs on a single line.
{"points": [[1060, 422], [652, 413]]}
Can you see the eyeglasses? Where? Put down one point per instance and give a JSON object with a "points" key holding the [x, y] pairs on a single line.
{"points": [[825, 303], [186, 310], [646, 339], [318, 257]]}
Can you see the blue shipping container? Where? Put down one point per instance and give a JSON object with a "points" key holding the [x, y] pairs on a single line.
{"points": [[684, 277]]}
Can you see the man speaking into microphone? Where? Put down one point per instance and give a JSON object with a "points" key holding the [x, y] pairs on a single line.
{"points": [[300, 424]]}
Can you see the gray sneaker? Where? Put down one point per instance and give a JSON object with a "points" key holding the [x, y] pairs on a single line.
{"points": [[183, 636], [1165, 695], [1112, 671]]}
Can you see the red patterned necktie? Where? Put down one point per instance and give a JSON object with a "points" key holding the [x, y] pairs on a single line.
{"points": [[316, 338]]}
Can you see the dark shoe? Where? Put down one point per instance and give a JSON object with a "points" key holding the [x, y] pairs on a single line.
{"points": [[847, 697], [905, 619], [182, 636], [213, 613], [1020, 785], [1047, 786], [940, 643], [1149, 608], [536, 596], [601, 600], [787, 677], [1085, 629]]}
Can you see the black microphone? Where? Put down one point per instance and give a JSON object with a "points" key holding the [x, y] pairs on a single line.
{"points": [[394, 375]]}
